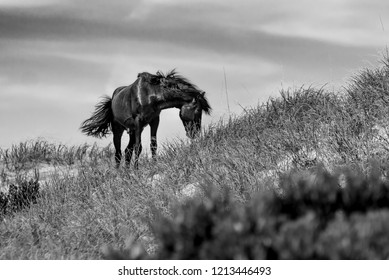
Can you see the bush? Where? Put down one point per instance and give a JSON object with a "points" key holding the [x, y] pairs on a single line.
{"points": [[314, 218], [19, 196]]}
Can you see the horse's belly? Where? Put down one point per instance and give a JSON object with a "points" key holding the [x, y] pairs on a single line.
{"points": [[122, 113]]}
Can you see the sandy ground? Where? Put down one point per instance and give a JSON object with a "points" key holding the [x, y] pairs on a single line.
{"points": [[41, 170]]}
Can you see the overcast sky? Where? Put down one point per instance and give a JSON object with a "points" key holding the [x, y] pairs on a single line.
{"points": [[58, 57]]}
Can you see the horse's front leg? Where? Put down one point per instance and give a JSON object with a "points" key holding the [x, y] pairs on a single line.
{"points": [[138, 144], [130, 147], [153, 136]]}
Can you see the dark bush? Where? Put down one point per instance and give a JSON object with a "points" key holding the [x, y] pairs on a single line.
{"points": [[322, 194], [19, 196], [314, 218]]}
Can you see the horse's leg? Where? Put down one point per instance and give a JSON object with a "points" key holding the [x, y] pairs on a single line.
{"points": [[130, 147], [153, 136], [117, 131]]}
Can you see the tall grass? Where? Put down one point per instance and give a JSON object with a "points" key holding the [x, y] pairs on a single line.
{"points": [[77, 215], [25, 154]]}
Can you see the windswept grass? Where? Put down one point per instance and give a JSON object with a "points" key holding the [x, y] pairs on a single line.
{"points": [[28, 153], [302, 130]]}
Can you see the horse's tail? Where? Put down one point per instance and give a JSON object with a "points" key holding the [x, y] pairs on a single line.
{"points": [[99, 124]]}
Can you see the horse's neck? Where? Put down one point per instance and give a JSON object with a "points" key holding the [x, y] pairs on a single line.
{"points": [[170, 104], [170, 100]]}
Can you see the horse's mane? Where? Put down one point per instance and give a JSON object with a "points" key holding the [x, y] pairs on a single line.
{"points": [[178, 84], [177, 79]]}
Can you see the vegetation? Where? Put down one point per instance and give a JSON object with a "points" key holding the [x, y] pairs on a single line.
{"points": [[302, 176], [310, 220], [27, 154], [19, 196]]}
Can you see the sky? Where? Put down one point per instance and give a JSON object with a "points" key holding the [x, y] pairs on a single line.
{"points": [[58, 57]]}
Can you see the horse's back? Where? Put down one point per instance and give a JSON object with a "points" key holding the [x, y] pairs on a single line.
{"points": [[117, 90]]}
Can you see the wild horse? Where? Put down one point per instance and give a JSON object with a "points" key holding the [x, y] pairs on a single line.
{"points": [[133, 107]]}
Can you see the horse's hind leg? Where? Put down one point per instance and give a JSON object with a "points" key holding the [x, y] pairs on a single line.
{"points": [[117, 131]]}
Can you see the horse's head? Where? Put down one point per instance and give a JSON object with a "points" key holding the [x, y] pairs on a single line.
{"points": [[191, 112], [180, 88]]}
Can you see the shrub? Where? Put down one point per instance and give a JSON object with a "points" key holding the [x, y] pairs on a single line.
{"points": [[314, 218], [19, 196]]}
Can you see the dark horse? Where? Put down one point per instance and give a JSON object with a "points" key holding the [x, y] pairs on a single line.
{"points": [[133, 107]]}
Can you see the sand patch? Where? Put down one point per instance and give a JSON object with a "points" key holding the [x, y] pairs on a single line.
{"points": [[40, 171]]}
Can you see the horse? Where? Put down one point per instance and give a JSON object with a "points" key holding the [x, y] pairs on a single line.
{"points": [[133, 107]]}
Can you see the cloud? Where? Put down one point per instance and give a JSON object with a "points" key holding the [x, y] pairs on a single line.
{"points": [[7, 4], [46, 70], [68, 53], [337, 22], [198, 28], [352, 23]]}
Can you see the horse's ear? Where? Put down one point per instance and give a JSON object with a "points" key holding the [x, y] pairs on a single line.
{"points": [[202, 93]]}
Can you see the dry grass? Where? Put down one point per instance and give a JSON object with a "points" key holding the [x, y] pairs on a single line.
{"points": [[78, 213]]}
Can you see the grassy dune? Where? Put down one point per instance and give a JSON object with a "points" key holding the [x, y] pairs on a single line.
{"points": [[86, 207]]}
